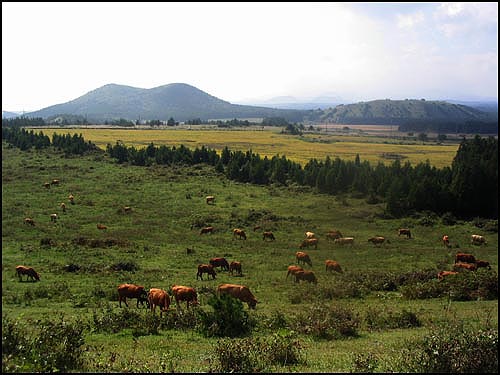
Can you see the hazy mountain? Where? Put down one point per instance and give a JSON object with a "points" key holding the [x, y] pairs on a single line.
{"points": [[7, 114], [178, 100], [401, 111], [290, 102]]}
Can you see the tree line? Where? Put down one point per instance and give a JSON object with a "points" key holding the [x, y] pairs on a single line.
{"points": [[467, 189]]}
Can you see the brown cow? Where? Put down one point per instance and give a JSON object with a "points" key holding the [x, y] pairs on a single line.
{"points": [[101, 226], [132, 291], [404, 231], [377, 240], [476, 239], [71, 198], [235, 266], [446, 241], [206, 230], [210, 199], [344, 241], [468, 266], [466, 258], [292, 269], [184, 293], [306, 276], [158, 297], [441, 275], [219, 262], [256, 228], [303, 258], [29, 272], [205, 268], [268, 235], [239, 233], [241, 292], [310, 234], [333, 234], [309, 242], [29, 221], [333, 265], [483, 263]]}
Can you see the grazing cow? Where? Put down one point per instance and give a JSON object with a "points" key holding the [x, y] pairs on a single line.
{"points": [[29, 272], [333, 235], [468, 266], [446, 241], [404, 231], [309, 242], [344, 241], [219, 262], [257, 227], [71, 198], [377, 240], [241, 292], [206, 230], [132, 291], [306, 276], [292, 269], [30, 221], [184, 293], [53, 217], [483, 263], [466, 258], [235, 266], [476, 239], [239, 233], [210, 199], [205, 268], [310, 235], [303, 258], [127, 209], [441, 275], [269, 235], [158, 297], [333, 265], [55, 182], [63, 207], [101, 226], [46, 185]]}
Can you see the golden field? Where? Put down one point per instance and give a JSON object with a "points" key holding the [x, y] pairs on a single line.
{"points": [[270, 142]]}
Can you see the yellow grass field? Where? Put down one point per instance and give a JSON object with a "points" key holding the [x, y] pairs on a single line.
{"points": [[269, 142]]}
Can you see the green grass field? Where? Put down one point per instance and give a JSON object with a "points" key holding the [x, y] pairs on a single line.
{"points": [[168, 208], [270, 142]]}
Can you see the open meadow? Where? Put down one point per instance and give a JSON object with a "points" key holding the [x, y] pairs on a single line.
{"points": [[362, 320], [269, 141]]}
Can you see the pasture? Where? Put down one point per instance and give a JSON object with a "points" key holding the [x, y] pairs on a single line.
{"points": [[269, 142], [158, 243]]}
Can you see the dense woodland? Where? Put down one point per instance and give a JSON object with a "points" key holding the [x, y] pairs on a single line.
{"points": [[467, 189]]}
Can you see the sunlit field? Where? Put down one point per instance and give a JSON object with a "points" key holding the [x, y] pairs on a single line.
{"points": [[270, 142]]}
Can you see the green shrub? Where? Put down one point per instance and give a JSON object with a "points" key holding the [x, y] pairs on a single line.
{"points": [[383, 319], [228, 318], [452, 349]]}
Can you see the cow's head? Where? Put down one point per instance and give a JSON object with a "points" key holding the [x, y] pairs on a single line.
{"points": [[252, 303]]}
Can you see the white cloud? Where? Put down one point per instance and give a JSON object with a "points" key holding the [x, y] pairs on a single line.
{"points": [[409, 21]]}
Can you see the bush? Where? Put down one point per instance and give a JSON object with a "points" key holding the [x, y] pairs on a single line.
{"points": [[55, 346], [227, 319], [382, 319], [453, 349]]}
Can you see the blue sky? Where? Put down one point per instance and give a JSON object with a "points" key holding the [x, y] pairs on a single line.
{"points": [[241, 52]]}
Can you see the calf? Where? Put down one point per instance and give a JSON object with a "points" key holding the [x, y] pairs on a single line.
{"points": [[467, 266], [29, 272], [377, 240], [333, 234], [441, 275], [235, 266], [483, 263], [205, 268], [239, 233], [158, 297], [53, 217], [476, 239], [101, 227], [210, 199], [219, 262]]}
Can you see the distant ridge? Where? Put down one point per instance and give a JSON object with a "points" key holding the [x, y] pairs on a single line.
{"points": [[177, 100]]}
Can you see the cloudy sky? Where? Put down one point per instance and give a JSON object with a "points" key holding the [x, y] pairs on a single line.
{"points": [[55, 52]]}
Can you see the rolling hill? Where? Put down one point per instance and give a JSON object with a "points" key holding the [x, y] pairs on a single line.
{"points": [[177, 100]]}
